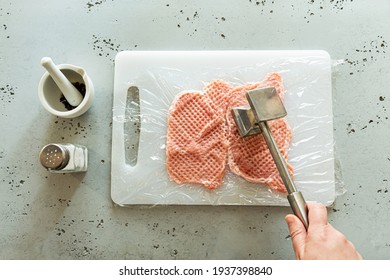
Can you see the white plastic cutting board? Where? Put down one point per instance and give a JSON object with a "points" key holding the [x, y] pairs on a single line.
{"points": [[161, 75]]}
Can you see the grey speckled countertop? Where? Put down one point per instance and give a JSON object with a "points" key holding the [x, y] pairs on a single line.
{"points": [[55, 216]]}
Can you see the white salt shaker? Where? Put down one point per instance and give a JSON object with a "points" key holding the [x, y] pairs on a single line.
{"points": [[64, 158]]}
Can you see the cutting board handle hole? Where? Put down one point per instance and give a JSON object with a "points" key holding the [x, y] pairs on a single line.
{"points": [[132, 126]]}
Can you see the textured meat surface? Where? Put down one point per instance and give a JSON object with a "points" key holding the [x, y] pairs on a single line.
{"points": [[219, 93], [202, 137], [249, 157], [196, 138]]}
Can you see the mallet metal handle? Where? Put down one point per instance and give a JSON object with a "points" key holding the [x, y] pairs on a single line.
{"points": [[295, 198]]}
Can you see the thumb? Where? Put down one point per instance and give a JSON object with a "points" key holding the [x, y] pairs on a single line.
{"points": [[298, 234]]}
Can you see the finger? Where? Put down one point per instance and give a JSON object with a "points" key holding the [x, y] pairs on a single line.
{"points": [[297, 232], [317, 214]]}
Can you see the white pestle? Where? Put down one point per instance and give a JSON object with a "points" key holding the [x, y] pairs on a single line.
{"points": [[71, 94]]}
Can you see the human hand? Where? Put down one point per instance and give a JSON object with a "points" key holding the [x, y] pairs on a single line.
{"points": [[321, 240]]}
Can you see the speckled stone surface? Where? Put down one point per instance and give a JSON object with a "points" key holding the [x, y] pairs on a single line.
{"points": [[56, 216]]}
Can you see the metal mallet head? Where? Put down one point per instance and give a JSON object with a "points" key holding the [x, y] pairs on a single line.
{"points": [[265, 105]]}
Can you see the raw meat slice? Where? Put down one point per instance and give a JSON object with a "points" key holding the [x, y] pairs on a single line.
{"points": [[196, 140], [249, 157]]}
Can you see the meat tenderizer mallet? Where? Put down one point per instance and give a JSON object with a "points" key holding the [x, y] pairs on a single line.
{"points": [[266, 105]]}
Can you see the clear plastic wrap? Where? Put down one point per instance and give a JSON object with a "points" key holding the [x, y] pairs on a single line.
{"points": [[139, 174]]}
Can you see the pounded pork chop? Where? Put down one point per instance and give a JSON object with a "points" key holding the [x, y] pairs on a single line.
{"points": [[196, 139], [249, 157]]}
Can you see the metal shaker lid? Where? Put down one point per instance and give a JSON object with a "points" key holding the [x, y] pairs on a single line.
{"points": [[54, 156]]}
